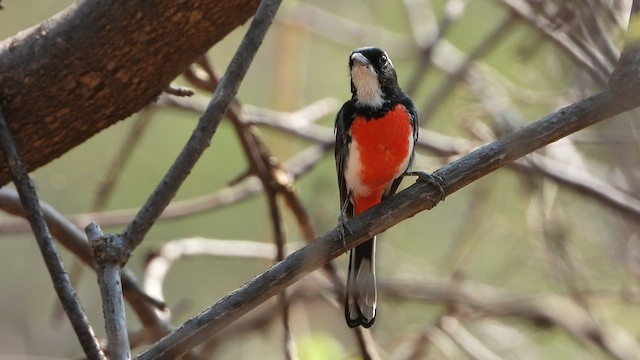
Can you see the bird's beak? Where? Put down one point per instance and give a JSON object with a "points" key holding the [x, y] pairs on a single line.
{"points": [[359, 59]]}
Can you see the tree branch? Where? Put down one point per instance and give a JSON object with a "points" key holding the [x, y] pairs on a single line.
{"points": [[98, 62], [297, 166], [59, 277], [109, 254], [206, 128], [75, 241], [405, 204]]}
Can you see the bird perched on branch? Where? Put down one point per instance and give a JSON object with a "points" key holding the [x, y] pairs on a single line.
{"points": [[376, 131]]}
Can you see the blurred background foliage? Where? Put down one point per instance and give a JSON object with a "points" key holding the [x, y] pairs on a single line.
{"points": [[518, 232]]}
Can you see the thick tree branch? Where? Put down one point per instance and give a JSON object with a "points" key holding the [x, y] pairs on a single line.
{"points": [[403, 205], [98, 62]]}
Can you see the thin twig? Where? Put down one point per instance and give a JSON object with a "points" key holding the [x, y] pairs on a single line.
{"points": [[276, 180], [421, 345], [263, 165], [108, 256], [161, 261], [279, 239], [179, 91], [59, 277], [299, 165], [624, 76], [206, 128]]}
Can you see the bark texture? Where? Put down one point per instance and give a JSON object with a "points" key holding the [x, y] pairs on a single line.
{"points": [[98, 62]]}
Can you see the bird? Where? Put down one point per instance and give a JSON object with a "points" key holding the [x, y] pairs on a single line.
{"points": [[376, 132]]}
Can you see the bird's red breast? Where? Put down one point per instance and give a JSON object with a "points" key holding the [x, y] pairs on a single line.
{"points": [[383, 147]]}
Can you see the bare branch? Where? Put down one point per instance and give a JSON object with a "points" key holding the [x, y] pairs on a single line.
{"points": [[109, 255], [405, 204], [179, 91], [297, 166], [207, 125], [75, 240], [59, 277], [158, 266]]}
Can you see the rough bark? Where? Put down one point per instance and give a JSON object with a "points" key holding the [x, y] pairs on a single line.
{"points": [[98, 62]]}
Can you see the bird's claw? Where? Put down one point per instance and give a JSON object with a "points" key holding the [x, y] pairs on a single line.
{"points": [[343, 228], [429, 178]]}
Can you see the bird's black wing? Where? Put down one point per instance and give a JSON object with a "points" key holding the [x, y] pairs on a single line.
{"points": [[343, 140], [413, 118]]}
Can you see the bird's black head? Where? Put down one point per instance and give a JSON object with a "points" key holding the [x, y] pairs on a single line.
{"points": [[373, 78]]}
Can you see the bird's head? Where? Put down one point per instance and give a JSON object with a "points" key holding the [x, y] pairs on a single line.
{"points": [[373, 78]]}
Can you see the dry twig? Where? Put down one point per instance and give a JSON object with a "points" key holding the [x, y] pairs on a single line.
{"points": [[61, 282]]}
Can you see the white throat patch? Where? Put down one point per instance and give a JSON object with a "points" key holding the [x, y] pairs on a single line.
{"points": [[367, 86]]}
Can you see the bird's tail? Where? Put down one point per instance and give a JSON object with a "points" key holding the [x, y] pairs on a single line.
{"points": [[362, 294]]}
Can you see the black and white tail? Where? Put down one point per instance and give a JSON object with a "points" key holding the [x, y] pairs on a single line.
{"points": [[362, 294]]}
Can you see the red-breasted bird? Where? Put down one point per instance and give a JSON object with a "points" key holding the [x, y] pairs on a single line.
{"points": [[376, 131]]}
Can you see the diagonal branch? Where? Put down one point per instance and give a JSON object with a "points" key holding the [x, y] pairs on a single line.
{"points": [[403, 205], [570, 177], [61, 282], [206, 128]]}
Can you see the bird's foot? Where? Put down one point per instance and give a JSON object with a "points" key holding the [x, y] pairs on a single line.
{"points": [[343, 228], [430, 178]]}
